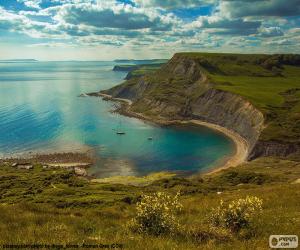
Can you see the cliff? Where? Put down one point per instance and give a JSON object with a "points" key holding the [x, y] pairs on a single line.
{"points": [[187, 88], [125, 68]]}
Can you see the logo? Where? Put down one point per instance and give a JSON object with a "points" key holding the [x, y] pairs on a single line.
{"points": [[283, 241]]}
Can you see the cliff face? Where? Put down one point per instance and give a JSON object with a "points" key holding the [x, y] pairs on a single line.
{"points": [[230, 111], [181, 90]]}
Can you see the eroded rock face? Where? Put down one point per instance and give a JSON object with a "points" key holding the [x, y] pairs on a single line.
{"points": [[230, 111], [209, 104], [272, 148], [131, 92], [180, 65]]}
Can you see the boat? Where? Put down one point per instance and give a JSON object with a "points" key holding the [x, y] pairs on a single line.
{"points": [[119, 129], [150, 138]]}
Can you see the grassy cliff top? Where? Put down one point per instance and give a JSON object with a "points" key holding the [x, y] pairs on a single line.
{"points": [[270, 82], [262, 79]]}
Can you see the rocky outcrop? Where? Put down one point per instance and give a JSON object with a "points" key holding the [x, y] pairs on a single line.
{"points": [[125, 68], [128, 91], [272, 148]]}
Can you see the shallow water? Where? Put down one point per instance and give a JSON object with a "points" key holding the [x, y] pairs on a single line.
{"points": [[40, 110]]}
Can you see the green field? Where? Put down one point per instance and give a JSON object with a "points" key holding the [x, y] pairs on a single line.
{"points": [[53, 206]]}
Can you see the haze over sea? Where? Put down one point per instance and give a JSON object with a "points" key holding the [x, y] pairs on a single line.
{"points": [[40, 111]]}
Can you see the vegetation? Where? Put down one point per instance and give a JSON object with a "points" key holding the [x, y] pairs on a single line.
{"points": [[52, 206], [237, 214], [156, 214], [141, 70]]}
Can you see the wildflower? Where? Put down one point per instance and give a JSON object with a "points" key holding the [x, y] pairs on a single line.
{"points": [[237, 214], [156, 214]]}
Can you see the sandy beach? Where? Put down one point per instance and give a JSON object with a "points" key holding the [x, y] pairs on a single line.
{"points": [[241, 145]]}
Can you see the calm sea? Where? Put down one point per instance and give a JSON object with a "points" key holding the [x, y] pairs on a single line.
{"points": [[40, 111]]}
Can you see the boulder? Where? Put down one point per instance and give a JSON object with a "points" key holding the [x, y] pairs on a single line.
{"points": [[27, 167], [80, 171]]}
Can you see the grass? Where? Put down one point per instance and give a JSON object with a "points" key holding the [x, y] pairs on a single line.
{"points": [[263, 92], [54, 207], [269, 94], [141, 70], [270, 82]]}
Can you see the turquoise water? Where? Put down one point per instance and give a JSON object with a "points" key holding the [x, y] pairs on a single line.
{"points": [[40, 111]]}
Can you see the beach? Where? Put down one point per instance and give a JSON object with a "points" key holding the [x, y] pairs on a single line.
{"points": [[241, 145]]}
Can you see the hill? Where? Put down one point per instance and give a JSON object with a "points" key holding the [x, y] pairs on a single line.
{"points": [[53, 206], [137, 70], [257, 96]]}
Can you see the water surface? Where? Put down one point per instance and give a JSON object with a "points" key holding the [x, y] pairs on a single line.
{"points": [[40, 110]]}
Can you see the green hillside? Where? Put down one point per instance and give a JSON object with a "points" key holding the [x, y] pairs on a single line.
{"points": [[270, 82], [52, 206]]}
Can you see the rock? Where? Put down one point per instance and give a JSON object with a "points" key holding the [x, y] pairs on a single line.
{"points": [[27, 167], [273, 148], [80, 171]]}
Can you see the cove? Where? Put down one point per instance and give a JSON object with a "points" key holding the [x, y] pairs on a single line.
{"points": [[40, 110]]}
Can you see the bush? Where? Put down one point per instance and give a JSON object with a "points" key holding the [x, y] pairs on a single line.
{"points": [[156, 214], [237, 214], [245, 177]]}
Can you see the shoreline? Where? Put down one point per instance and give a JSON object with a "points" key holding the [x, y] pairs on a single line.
{"points": [[241, 145], [78, 162]]}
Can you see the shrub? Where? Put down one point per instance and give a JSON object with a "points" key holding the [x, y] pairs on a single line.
{"points": [[245, 177], [156, 214], [237, 214]]}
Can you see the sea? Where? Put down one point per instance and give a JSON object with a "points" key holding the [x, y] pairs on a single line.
{"points": [[41, 111]]}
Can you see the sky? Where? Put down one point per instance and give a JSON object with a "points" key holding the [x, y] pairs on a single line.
{"points": [[144, 29]]}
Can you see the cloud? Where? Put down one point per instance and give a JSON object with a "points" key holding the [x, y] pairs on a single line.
{"points": [[118, 16], [173, 4], [282, 42], [280, 8], [270, 32], [33, 4], [220, 25], [153, 25]]}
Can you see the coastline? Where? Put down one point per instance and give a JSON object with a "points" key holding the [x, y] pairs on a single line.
{"points": [[78, 162], [241, 145]]}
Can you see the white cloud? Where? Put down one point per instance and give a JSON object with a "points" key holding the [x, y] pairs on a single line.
{"points": [[34, 4], [173, 4], [151, 25]]}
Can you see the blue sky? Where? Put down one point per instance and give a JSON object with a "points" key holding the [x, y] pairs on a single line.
{"points": [[111, 29]]}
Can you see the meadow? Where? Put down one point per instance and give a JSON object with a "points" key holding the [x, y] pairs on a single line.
{"points": [[52, 206]]}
